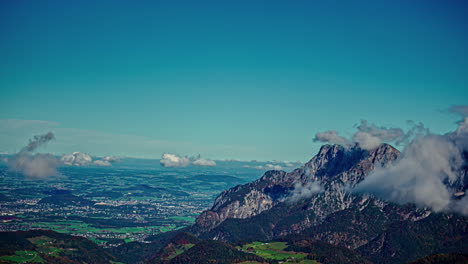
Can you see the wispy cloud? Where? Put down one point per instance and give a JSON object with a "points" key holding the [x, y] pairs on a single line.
{"points": [[303, 191], [39, 166], [369, 136]]}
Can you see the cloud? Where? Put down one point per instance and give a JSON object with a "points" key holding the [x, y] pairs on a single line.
{"points": [[38, 165], [13, 132], [174, 161], [37, 141], [459, 109], [428, 173], [267, 166], [106, 161], [303, 191], [369, 136], [103, 163], [273, 167], [77, 159], [332, 137], [111, 159], [204, 162]]}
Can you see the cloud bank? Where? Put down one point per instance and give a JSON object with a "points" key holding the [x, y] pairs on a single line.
{"points": [[83, 159], [105, 161], [175, 161], [38, 166], [77, 159], [369, 136], [204, 162], [267, 166], [430, 173]]}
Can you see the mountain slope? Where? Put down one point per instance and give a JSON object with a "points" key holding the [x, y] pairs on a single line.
{"points": [[314, 200], [50, 247]]}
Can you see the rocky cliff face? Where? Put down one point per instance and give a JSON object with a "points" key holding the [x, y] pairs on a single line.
{"points": [[334, 168]]}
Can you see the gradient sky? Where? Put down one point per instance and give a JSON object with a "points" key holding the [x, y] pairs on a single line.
{"points": [[225, 79]]}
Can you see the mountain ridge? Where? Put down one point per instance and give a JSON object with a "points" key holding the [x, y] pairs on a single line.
{"points": [[334, 167], [262, 210]]}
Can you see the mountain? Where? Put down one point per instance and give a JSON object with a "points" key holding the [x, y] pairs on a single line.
{"points": [[451, 258], [314, 200], [304, 216], [177, 245], [212, 251], [333, 167]]}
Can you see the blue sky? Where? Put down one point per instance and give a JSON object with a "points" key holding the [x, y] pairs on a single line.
{"points": [[225, 79]]}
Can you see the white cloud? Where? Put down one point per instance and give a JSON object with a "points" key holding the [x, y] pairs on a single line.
{"points": [[103, 163], [106, 161], [14, 132], [273, 167], [332, 137], [110, 159], [39, 166], [174, 161], [77, 159], [204, 162], [369, 136], [267, 166], [425, 174]]}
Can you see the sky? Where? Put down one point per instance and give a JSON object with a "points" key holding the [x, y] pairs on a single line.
{"points": [[225, 79]]}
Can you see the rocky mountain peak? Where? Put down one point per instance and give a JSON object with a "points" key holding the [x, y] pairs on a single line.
{"points": [[333, 167], [335, 162]]}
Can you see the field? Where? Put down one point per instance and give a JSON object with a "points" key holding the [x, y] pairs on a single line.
{"points": [[24, 257], [275, 251]]}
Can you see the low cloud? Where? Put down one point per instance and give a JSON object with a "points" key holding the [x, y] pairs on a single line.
{"points": [[303, 191], [265, 167], [106, 161], [369, 136], [38, 166], [429, 173], [103, 163], [273, 167], [174, 161], [204, 162], [77, 159], [111, 159], [332, 137]]}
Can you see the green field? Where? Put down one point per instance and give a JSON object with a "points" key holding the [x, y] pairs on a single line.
{"points": [[276, 251], [180, 250], [24, 257], [183, 218], [78, 227], [43, 243]]}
